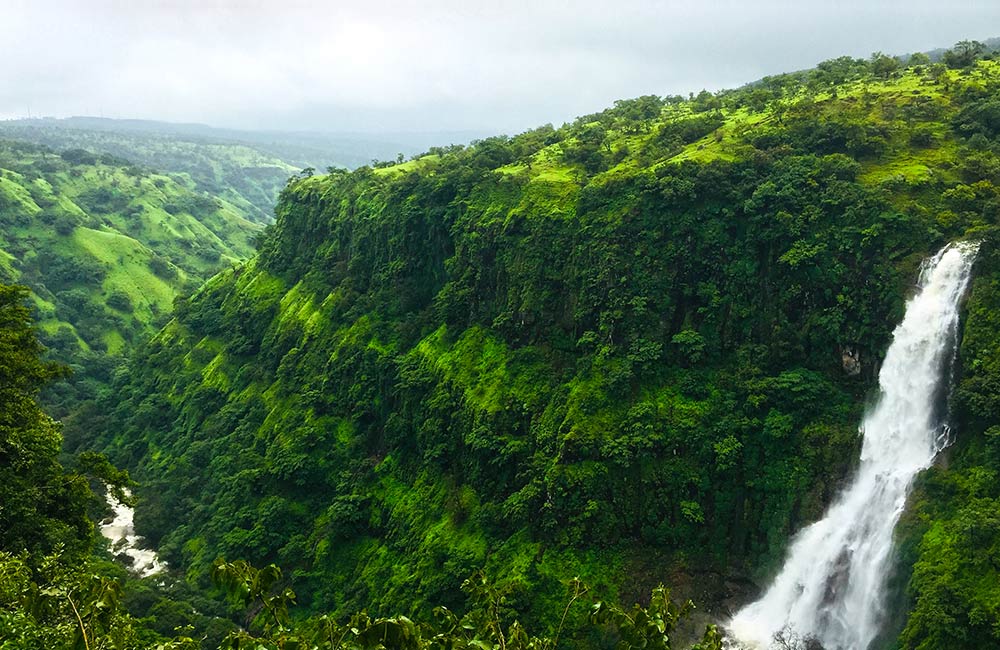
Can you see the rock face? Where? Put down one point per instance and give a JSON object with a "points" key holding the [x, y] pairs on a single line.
{"points": [[850, 359]]}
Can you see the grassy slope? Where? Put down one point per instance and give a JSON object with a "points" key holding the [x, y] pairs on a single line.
{"points": [[78, 234], [409, 529], [246, 177]]}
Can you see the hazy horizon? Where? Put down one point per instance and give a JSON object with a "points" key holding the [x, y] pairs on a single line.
{"points": [[221, 128], [442, 66]]}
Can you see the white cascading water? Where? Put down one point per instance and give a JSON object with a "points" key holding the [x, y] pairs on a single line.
{"points": [[831, 588], [121, 533]]}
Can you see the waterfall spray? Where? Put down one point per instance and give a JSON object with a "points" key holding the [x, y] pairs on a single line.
{"points": [[832, 585]]}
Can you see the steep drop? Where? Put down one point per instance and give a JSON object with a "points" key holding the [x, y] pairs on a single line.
{"points": [[832, 585]]}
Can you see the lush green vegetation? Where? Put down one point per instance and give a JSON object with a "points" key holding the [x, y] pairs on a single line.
{"points": [[245, 168], [43, 507], [622, 349], [44, 523], [55, 595], [245, 177], [105, 247], [633, 349]]}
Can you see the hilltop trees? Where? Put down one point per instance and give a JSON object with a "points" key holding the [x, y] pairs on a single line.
{"points": [[964, 54], [883, 65]]}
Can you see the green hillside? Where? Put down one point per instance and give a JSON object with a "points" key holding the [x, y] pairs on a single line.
{"points": [[60, 590], [106, 247], [246, 168], [246, 177], [617, 350]]}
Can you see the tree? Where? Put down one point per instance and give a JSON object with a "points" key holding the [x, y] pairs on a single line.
{"points": [[837, 71], [883, 65], [41, 505], [964, 54]]}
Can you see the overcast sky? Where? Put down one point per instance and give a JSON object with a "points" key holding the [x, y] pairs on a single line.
{"points": [[445, 65]]}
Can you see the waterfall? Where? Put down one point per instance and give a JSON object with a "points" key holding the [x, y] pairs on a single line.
{"points": [[831, 588]]}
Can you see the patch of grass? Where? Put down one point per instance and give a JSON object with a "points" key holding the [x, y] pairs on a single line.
{"points": [[128, 269]]}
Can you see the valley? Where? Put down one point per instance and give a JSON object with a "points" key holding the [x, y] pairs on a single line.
{"points": [[492, 395]]}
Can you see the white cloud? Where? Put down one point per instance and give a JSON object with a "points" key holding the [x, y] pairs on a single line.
{"points": [[441, 64]]}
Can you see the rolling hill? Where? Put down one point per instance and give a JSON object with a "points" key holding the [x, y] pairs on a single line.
{"points": [[105, 246], [246, 168]]}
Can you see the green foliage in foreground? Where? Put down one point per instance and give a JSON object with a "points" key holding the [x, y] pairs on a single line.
{"points": [[47, 603], [41, 505], [56, 606], [487, 626]]}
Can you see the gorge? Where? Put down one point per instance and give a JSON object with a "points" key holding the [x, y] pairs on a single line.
{"points": [[493, 395]]}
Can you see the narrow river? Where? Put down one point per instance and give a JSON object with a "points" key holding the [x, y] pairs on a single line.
{"points": [[125, 544]]}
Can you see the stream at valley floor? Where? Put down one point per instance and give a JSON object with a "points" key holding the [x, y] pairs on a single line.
{"points": [[126, 546]]}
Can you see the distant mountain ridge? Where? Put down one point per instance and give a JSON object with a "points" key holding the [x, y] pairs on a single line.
{"points": [[247, 168], [992, 44]]}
